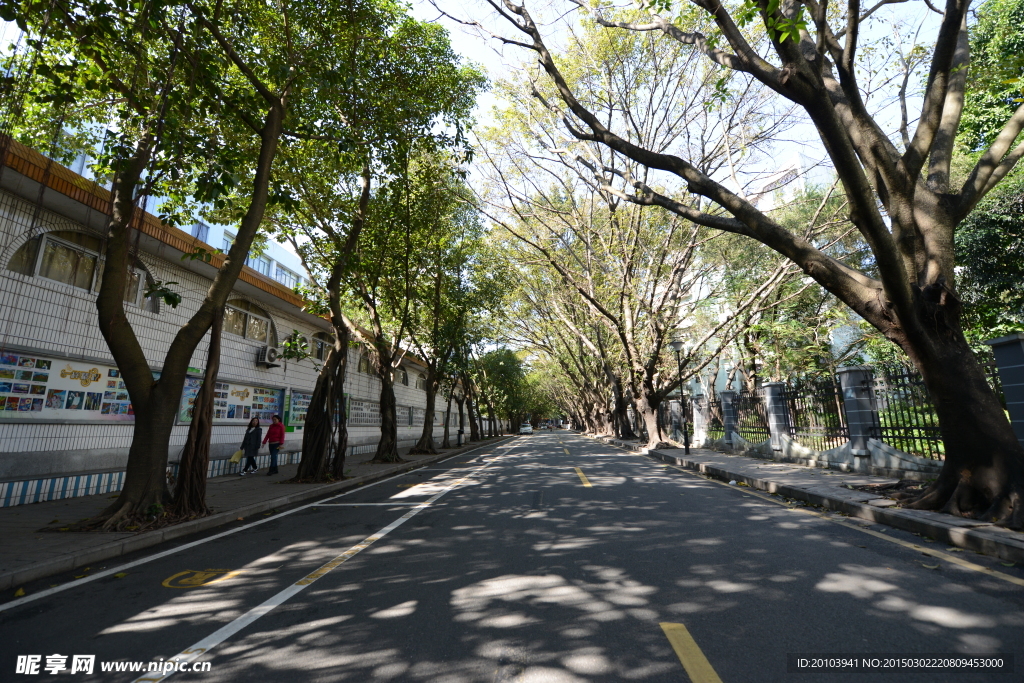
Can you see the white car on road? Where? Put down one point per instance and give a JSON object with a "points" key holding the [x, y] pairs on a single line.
{"points": [[526, 428]]}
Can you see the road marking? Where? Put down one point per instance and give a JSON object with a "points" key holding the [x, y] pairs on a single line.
{"points": [[583, 477], [938, 554], [508, 445], [191, 578], [223, 633], [697, 666], [362, 505], [566, 451]]}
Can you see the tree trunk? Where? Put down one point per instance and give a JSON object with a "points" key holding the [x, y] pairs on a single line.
{"points": [[647, 406], [190, 488], [493, 427], [474, 432], [387, 447], [620, 418], [983, 474], [426, 444], [325, 431], [445, 443]]}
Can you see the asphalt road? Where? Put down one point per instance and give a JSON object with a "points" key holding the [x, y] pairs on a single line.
{"points": [[551, 559]]}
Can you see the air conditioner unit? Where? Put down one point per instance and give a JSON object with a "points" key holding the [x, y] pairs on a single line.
{"points": [[268, 356]]}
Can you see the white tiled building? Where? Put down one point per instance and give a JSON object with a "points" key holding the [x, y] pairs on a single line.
{"points": [[65, 419]]}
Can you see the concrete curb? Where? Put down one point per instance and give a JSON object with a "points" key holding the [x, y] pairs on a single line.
{"points": [[150, 538], [969, 534]]}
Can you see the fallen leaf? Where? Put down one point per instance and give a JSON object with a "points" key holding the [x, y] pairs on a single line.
{"points": [[743, 483], [54, 521], [240, 519], [862, 546], [1008, 564], [20, 592], [929, 566], [120, 575], [80, 576], [954, 550]]}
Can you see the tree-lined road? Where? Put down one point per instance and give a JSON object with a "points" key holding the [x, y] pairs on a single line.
{"points": [[549, 558]]}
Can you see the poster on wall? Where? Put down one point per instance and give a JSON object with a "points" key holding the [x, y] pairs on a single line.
{"points": [[233, 403], [298, 406], [39, 388]]}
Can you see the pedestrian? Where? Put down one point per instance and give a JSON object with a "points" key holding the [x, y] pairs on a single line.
{"points": [[251, 446], [275, 435]]}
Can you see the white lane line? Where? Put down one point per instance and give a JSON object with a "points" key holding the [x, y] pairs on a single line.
{"points": [[135, 563], [211, 641], [365, 505]]}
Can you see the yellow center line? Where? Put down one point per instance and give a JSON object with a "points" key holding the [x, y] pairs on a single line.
{"points": [[938, 554], [697, 666], [583, 477]]}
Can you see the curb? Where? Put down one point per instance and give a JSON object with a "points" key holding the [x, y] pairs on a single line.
{"points": [[981, 537], [157, 536]]}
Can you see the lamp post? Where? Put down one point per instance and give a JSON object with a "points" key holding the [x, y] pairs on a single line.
{"points": [[677, 346]]}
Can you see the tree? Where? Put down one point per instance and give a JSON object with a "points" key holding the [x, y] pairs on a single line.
{"points": [[200, 96], [900, 200]]}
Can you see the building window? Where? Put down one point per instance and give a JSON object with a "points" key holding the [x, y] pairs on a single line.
{"points": [[72, 258], [261, 264], [421, 382], [364, 363], [403, 376], [226, 241], [286, 277], [201, 231], [244, 319], [322, 344]]}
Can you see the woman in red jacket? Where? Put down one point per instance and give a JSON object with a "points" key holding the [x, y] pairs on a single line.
{"points": [[275, 435]]}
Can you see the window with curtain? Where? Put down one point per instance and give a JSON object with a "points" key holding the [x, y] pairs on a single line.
{"points": [[74, 258], [247, 320]]}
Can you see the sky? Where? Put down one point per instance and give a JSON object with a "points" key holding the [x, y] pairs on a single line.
{"points": [[801, 144]]}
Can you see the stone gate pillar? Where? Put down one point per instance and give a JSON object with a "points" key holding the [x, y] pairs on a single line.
{"points": [[700, 421], [729, 421], [778, 412], [858, 400], [1009, 353]]}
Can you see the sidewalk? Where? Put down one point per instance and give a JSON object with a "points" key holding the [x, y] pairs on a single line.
{"points": [[827, 488], [27, 553]]}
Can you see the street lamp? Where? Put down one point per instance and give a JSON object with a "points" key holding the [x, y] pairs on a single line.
{"points": [[677, 346]]}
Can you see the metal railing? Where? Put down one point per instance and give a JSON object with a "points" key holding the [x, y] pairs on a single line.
{"points": [[906, 415], [817, 416], [752, 416], [715, 426]]}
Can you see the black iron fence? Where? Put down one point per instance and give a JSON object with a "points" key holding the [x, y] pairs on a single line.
{"points": [[817, 416], [906, 415], [715, 424], [752, 416]]}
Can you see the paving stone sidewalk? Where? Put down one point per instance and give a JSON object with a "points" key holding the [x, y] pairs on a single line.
{"points": [[26, 553], [828, 488]]}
